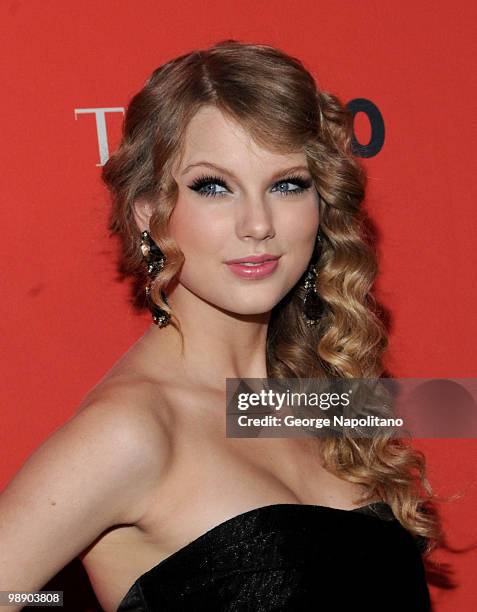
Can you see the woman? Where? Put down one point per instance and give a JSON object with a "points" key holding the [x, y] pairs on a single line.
{"points": [[230, 153]]}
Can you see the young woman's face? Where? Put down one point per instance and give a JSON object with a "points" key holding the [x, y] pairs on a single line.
{"points": [[235, 200]]}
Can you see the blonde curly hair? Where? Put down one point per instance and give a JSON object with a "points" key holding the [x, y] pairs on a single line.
{"points": [[276, 99]]}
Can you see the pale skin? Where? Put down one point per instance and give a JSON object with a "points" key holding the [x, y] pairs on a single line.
{"points": [[144, 466]]}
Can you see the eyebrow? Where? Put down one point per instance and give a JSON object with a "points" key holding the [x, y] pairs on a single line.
{"points": [[230, 173]]}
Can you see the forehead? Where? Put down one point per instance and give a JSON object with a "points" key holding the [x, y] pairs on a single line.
{"points": [[214, 137]]}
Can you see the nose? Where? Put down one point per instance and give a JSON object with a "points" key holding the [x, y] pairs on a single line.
{"points": [[255, 219]]}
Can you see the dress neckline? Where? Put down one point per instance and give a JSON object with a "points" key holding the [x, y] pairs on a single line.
{"points": [[373, 509]]}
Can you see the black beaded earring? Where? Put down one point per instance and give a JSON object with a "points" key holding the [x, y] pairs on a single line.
{"points": [[155, 260], [313, 305]]}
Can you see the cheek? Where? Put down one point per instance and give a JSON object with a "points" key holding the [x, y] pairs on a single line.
{"points": [[298, 234], [299, 226], [195, 232]]}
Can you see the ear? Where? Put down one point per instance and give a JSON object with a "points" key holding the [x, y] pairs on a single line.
{"points": [[143, 210]]}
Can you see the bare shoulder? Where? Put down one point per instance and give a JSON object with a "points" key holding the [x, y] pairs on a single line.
{"points": [[132, 416], [99, 469]]}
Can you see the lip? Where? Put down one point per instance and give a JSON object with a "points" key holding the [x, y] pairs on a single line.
{"points": [[261, 270], [253, 258]]}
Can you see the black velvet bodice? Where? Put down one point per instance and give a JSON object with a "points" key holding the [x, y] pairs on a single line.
{"points": [[290, 557]]}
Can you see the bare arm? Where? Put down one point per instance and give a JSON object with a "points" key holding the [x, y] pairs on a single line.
{"points": [[98, 470]]}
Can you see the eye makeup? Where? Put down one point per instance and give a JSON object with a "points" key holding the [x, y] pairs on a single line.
{"points": [[200, 184]]}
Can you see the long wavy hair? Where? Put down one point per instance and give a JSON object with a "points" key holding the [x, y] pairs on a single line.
{"points": [[276, 99]]}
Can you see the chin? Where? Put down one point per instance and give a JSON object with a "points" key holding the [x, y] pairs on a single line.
{"points": [[256, 308], [251, 311]]}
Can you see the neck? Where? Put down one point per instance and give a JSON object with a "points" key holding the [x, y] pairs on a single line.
{"points": [[217, 344]]}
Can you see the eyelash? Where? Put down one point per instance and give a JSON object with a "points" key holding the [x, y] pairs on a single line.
{"points": [[202, 181]]}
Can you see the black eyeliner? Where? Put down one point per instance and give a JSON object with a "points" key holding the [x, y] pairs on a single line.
{"points": [[302, 182]]}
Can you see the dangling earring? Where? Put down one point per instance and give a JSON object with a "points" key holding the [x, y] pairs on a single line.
{"points": [[313, 305], [155, 260]]}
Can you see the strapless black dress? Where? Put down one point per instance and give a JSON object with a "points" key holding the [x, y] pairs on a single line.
{"points": [[291, 557]]}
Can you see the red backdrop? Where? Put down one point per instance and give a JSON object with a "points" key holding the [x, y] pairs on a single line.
{"points": [[65, 318]]}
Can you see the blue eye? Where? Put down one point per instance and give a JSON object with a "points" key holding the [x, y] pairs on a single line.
{"points": [[303, 185], [203, 184]]}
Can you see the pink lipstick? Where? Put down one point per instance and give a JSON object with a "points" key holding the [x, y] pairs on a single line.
{"points": [[254, 267]]}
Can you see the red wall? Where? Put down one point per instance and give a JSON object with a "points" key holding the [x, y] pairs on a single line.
{"points": [[65, 319]]}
